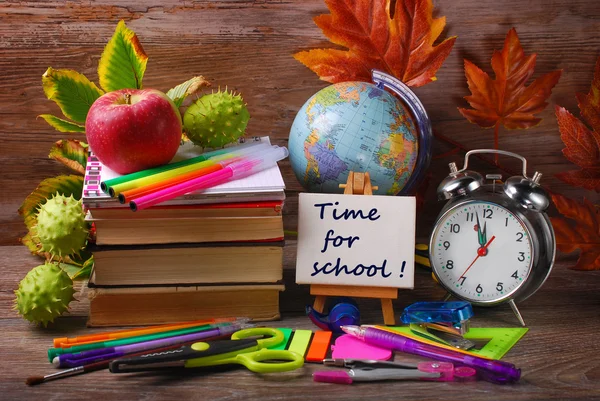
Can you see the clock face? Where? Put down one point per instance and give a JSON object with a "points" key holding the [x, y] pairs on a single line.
{"points": [[481, 251]]}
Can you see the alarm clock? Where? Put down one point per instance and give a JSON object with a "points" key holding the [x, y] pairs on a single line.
{"points": [[492, 243]]}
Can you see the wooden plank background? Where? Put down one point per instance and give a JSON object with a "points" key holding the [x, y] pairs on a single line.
{"points": [[248, 46]]}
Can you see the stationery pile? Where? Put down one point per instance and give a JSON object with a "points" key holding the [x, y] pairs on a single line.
{"points": [[165, 251], [211, 342]]}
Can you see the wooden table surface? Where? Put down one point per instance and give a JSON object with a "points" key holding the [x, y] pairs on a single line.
{"points": [[248, 45], [559, 356]]}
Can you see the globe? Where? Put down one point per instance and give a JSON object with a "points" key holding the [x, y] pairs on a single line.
{"points": [[353, 126]]}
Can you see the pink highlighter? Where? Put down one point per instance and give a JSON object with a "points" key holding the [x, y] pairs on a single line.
{"points": [[369, 370]]}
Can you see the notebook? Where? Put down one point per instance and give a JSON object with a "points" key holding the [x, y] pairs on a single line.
{"points": [[266, 185]]}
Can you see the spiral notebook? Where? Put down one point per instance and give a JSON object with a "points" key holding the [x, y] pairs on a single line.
{"points": [[266, 185]]}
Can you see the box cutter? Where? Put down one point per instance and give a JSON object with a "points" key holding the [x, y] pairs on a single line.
{"points": [[364, 370], [241, 349]]}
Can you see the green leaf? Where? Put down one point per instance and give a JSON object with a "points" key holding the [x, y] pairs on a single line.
{"points": [[66, 185], [71, 91], [70, 269], [62, 125], [72, 153], [78, 271], [189, 87], [85, 271], [123, 61]]}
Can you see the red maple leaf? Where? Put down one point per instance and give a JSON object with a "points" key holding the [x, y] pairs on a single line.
{"points": [[579, 229], [582, 144], [402, 46], [506, 100]]}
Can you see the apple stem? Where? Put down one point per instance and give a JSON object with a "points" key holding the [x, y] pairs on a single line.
{"points": [[127, 98]]}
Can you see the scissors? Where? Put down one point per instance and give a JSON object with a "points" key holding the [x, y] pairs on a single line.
{"points": [[244, 348]]}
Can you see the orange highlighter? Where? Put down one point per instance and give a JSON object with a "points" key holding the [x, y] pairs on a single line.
{"points": [[64, 342]]}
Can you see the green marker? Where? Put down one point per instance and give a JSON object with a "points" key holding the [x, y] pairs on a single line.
{"points": [[54, 352]]}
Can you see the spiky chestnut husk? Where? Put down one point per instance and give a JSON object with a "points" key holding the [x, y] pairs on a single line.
{"points": [[44, 293], [61, 226], [216, 119]]}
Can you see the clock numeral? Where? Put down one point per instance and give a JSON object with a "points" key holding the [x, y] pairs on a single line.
{"points": [[487, 213], [506, 222], [500, 287], [520, 237], [463, 280], [454, 228], [479, 289], [515, 274], [470, 216], [521, 256], [450, 265], [446, 245]]}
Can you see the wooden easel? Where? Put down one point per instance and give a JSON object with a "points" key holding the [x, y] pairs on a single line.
{"points": [[357, 184]]}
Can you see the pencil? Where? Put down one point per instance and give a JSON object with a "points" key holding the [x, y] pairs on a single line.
{"points": [[65, 342], [54, 352]]}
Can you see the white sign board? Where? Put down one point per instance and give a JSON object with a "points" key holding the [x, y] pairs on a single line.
{"points": [[356, 240]]}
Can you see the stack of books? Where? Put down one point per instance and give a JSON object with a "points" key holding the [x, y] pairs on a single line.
{"points": [[214, 253]]}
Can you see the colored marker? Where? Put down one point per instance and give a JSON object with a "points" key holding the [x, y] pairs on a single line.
{"points": [[105, 185], [250, 165], [131, 194], [198, 164]]}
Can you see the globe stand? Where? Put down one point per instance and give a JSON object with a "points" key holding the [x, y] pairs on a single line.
{"points": [[357, 184]]}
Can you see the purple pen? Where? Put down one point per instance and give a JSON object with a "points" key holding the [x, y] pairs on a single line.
{"points": [[494, 371], [104, 354]]}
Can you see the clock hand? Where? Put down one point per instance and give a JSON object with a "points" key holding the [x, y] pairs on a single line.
{"points": [[480, 234], [480, 252], [484, 235]]}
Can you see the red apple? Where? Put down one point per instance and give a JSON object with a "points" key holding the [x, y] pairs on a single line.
{"points": [[131, 130]]}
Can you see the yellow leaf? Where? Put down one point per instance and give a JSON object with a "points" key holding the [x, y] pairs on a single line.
{"points": [[71, 91], [123, 61]]}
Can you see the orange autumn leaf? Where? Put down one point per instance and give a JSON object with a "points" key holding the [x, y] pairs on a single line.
{"points": [[578, 229], [402, 46], [582, 144], [506, 100]]}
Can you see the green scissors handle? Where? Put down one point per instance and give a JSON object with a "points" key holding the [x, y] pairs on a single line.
{"points": [[272, 337], [266, 361]]}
